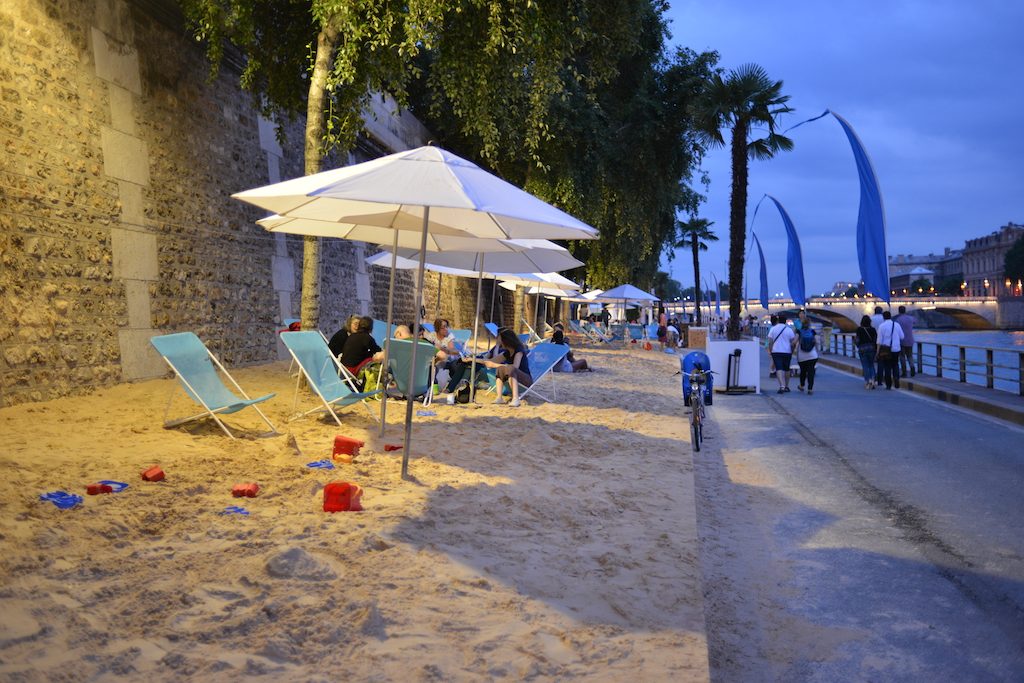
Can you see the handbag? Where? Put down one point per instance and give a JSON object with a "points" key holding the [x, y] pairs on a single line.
{"points": [[885, 350]]}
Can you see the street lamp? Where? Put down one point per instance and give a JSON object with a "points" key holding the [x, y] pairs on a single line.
{"points": [[986, 287], [963, 288]]}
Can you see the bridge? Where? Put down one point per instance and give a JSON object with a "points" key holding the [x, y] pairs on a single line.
{"points": [[971, 313]]}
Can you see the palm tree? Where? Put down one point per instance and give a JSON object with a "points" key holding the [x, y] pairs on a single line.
{"points": [[696, 233], [746, 98]]}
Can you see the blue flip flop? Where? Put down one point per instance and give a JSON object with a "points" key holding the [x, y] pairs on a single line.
{"points": [[321, 465], [62, 499], [234, 510]]}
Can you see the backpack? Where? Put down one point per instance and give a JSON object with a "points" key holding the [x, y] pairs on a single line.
{"points": [[807, 339]]}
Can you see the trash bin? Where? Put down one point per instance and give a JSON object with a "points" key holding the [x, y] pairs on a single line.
{"points": [[688, 363]]}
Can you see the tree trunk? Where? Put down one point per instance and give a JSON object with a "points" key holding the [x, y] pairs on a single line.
{"points": [[326, 42], [737, 224], [696, 277]]}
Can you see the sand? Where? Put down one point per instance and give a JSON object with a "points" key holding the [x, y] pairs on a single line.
{"points": [[555, 541]]}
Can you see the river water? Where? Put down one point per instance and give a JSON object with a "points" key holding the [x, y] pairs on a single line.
{"points": [[1008, 344]]}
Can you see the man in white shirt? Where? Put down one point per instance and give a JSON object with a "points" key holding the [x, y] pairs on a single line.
{"points": [[890, 338], [877, 318], [781, 343]]}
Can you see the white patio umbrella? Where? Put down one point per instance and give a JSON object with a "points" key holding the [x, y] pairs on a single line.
{"points": [[537, 255], [426, 189], [626, 293]]}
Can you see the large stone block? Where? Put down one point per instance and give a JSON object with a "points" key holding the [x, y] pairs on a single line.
{"points": [[116, 61], [139, 360], [134, 254], [124, 157]]}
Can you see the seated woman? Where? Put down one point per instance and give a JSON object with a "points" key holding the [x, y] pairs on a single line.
{"points": [[574, 364], [515, 371], [337, 342], [361, 354], [461, 368]]}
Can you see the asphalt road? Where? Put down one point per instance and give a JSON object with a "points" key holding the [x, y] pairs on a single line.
{"points": [[863, 536]]}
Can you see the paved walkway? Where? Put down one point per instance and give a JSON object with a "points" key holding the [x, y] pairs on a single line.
{"points": [[856, 535], [992, 402]]}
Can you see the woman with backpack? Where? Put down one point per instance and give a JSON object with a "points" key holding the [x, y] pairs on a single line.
{"points": [[867, 339], [807, 356]]}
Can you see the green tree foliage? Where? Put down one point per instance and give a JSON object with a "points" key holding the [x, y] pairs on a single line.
{"points": [[666, 288], [742, 101], [576, 102], [1013, 264], [949, 286], [696, 233]]}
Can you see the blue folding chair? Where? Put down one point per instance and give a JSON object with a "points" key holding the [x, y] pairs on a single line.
{"points": [[381, 331], [543, 358], [196, 369], [323, 372], [492, 329], [400, 360]]}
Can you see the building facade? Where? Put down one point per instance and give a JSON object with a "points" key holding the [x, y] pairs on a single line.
{"points": [[984, 262], [937, 269]]}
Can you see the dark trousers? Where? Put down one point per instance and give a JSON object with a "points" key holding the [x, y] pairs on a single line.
{"points": [[890, 370], [907, 358], [807, 373]]}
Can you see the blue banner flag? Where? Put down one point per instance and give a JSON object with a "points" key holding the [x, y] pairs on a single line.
{"points": [[874, 266], [794, 258], [718, 303], [764, 273]]}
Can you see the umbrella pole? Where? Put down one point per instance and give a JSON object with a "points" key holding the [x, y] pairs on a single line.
{"points": [[415, 343], [437, 308], [387, 338], [476, 328], [494, 294]]}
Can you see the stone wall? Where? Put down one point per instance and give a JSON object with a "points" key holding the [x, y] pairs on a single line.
{"points": [[116, 221]]}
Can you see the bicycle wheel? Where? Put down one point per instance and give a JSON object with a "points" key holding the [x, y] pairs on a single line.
{"points": [[695, 436]]}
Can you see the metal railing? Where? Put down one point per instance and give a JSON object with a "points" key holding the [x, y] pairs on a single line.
{"points": [[978, 365]]}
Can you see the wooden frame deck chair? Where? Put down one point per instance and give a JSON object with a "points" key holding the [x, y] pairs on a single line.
{"points": [[322, 371], [196, 370], [398, 365], [543, 358]]}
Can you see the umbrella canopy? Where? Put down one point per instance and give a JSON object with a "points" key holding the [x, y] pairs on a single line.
{"points": [[428, 184], [627, 292], [428, 190], [540, 256], [443, 239]]}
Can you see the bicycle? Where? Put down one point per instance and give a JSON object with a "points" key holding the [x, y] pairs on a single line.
{"points": [[696, 403]]}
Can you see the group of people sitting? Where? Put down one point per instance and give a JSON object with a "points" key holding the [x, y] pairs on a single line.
{"points": [[361, 355]]}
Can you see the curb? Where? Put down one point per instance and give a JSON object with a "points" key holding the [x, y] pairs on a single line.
{"points": [[978, 405]]}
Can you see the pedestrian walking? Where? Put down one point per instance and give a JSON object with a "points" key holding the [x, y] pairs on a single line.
{"points": [[782, 340], [890, 337], [906, 323], [773, 320], [807, 356], [867, 343]]}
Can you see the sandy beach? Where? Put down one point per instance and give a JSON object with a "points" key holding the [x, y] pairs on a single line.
{"points": [[555, 541]]}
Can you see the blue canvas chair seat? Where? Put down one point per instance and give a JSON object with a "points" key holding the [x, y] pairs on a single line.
{"points": [[400, 361], [381, 331], [587, 334], [543, 358], [323, 372], [492, 329], [652, 331], [635, 331], [196, 369], [462, 338]]}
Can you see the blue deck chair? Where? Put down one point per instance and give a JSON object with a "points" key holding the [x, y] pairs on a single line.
{"points": [[322, 370], [588, 335], [534, 337], [492, 329], [525, 337], [399, 363], [196, 369], [652, 331], [543, 358], [462, 338], [598, 333], [635, 331], [381, 331], [429, 327]]}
